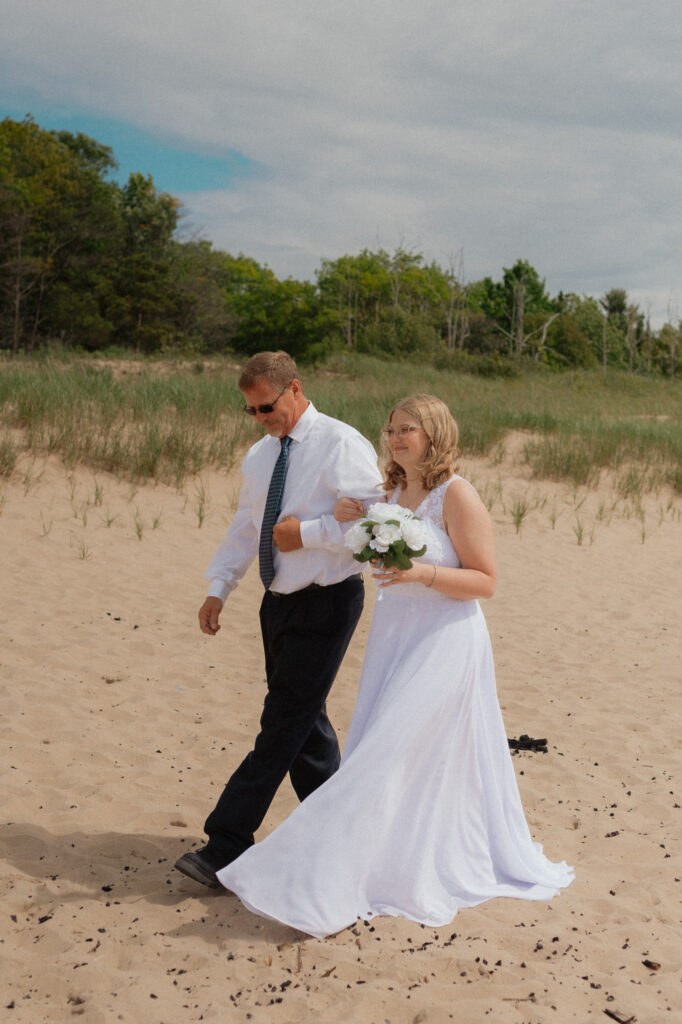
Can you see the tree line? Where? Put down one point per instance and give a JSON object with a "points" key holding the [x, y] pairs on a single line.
{"points": [[94, 265]]}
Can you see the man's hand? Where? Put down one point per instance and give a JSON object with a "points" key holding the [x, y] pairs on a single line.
{"points": [[209, 614], [287, 534]]}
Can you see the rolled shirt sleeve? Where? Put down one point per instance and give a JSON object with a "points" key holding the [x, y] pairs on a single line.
{"points": [[352, 473]]}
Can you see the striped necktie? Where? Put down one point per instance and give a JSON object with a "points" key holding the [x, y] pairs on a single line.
{"points": [[272, 506]]}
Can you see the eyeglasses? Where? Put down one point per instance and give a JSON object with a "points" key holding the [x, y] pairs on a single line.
{"points": [[391, 432], [251, 410]]}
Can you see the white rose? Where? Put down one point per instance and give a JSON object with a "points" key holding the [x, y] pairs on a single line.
{"points": [[384, 535], [356, 538], [413, 534], [380, 512]]}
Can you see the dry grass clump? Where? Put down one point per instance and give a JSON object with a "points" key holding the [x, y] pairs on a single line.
{"points": [[150, 426]]}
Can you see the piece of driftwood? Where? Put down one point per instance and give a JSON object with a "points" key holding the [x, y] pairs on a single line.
{"points": [[622, 1018], [528, 743]]}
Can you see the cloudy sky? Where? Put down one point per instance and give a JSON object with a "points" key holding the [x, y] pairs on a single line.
{"points": [[296, 130]]}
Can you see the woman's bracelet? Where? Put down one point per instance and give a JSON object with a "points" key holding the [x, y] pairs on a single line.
{"points": [[430, 584]]}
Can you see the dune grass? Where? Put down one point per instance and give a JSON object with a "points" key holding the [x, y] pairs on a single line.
{"points": [[142, 425], [578, 425], [170, 421], [8, 455]]}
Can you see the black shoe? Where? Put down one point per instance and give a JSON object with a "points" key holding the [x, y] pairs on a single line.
{"points": [[199, 866]]}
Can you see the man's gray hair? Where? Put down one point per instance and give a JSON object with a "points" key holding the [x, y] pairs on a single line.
{"points": [[276, 367]]}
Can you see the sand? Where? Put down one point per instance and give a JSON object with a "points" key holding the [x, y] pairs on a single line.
{"points": [[122, 721]]}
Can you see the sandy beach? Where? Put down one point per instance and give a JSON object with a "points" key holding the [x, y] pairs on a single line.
{"points": [[122, 722]]}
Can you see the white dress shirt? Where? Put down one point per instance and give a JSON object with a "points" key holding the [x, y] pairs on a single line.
{"points": [[328, 460]]}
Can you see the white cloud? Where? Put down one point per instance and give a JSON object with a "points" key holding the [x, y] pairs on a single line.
{"points": [[534, 129]]}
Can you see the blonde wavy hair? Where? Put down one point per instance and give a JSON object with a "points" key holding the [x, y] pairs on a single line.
{"points": [[440, 458]]}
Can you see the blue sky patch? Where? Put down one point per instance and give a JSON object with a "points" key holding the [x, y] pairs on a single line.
{"points": [[173, 169]]}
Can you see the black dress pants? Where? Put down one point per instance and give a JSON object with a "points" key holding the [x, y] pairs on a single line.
{"points": [[305, 636]]}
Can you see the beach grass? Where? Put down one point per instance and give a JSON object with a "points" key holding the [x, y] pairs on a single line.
{"points": [[142, 425], [575, 426], [165, 421], [8, 455]]}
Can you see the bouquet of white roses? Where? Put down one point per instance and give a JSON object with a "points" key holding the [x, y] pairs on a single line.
{"points": [[390, 534]]}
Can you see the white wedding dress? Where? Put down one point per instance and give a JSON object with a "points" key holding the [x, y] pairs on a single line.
{"points": [[424, 815]]}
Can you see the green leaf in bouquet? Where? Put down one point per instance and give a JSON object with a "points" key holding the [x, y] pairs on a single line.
{"points": [[365, 555]]}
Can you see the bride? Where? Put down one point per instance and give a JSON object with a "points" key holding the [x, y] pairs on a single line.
{"points": [[424, 815]]}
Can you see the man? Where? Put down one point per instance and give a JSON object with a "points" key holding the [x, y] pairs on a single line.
{"points": [[312, 601]]}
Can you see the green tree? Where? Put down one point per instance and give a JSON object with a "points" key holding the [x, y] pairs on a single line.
{"points": [[400, 333], [145, 309], [381, 298], [667, 348], [80, 293], [567, 344], [149, 217], [614, 304], [404, 270], [279, 314], [56, 214], [201, 276], [452, 302], [63, 231], [352, 290], [510, 301], [579, 328]]}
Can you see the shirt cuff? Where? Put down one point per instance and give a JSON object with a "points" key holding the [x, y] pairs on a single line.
{"points": [[311, 533], [219, 589]]}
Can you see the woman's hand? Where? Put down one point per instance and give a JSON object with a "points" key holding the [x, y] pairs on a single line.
{"points": [[421, 572], [348, 509]]}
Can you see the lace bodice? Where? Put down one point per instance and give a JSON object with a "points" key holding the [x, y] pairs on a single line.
{"points": [[439, 549], [431, 507]]}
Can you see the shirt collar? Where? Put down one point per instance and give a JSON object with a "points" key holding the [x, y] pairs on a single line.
{"points": [[304, 424]]}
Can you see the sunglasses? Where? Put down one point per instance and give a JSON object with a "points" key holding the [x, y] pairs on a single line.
{"points": [[251, 410]]}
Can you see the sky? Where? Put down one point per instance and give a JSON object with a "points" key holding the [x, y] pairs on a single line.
{"points": [[473, 131]]}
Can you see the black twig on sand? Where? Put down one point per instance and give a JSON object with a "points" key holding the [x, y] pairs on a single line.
{"points": [[528, 743]]}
